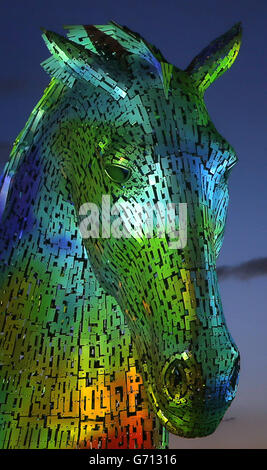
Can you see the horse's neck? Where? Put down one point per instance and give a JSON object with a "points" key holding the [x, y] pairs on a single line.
{"points": [[69, 369]]}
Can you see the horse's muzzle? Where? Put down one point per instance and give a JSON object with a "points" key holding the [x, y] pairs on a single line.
{"points": [[194, 405]]}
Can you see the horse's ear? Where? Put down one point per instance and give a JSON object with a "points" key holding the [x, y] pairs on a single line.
{"points": [[215, 59], [71, 61]]}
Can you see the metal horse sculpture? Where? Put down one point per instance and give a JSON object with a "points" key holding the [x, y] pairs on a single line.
{"points": [[112, 342]]}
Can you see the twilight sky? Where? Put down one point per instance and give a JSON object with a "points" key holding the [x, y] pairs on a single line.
{"points": [[237, 106]]}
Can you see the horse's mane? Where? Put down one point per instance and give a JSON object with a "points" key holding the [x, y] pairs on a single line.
{"points": [[106, 39], [26, 138]]}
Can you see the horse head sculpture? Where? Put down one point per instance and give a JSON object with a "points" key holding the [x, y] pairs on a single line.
{"points": [[119, 121]]}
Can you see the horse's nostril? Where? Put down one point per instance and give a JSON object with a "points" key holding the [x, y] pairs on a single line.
{"points": [[173, 377], [176, 376], [235, 372]]}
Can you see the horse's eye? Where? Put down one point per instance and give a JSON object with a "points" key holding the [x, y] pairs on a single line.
{"points": [[118, 173]]}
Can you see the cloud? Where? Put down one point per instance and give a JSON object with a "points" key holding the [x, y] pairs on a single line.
{"points": [[248, 270]]}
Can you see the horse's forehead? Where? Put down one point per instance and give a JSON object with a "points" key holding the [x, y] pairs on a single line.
{"points": [[182, 126], [180, 95]]}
